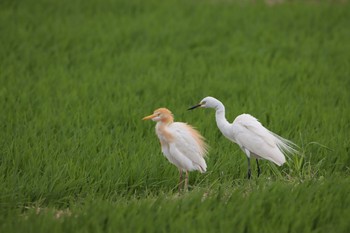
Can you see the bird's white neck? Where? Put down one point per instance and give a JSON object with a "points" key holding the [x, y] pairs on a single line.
{"points": [[221, 121]]}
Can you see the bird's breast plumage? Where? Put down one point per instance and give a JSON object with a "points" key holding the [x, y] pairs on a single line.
{"points": [[163, 133], [182, 145]]}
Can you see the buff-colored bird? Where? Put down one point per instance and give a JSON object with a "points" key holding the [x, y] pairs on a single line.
{"points": [[181, 144]]}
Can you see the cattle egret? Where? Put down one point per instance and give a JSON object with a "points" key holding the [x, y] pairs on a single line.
{"points": [[181, 144], [253, 138]]}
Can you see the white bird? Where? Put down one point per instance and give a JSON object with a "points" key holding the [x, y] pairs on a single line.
{"points": [[181, 144], [252, 137]]}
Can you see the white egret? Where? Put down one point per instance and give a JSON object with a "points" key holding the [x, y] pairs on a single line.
{"points": [[252, 137], [181, 144]]}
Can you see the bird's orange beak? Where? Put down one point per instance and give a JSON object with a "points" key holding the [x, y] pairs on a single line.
{"points": [[149, 117]]}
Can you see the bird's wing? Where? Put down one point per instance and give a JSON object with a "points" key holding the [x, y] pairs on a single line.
{"points": [[189, 142], [252, 135], [254, 128]]}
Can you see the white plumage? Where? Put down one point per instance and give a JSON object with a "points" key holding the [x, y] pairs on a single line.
{"points": [[184, 151], [181, 144], [253, 138]]}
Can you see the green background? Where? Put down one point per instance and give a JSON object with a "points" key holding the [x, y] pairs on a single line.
{"points": [[76, 78]]}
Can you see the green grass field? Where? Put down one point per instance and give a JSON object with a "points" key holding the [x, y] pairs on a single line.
{"points": [[76, 78]]}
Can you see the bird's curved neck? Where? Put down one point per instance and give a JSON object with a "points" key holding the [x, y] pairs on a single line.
{"points": [[163, 132], [221, 121]]}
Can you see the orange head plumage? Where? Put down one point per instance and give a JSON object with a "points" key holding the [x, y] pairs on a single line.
{"points": [[161, 114]]}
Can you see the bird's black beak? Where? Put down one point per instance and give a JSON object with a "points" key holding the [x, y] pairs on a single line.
{"points": [[196, 106]]}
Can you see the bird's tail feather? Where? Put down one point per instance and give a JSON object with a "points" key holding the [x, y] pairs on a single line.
{"points": [[286, 146]]}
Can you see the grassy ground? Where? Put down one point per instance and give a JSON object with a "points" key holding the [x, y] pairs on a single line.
{"points": [[77, 77]]}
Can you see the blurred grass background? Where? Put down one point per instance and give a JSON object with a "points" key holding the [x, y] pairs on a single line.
{"points": [[77, 77]]}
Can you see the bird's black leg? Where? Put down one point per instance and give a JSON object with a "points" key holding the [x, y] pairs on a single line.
{"points": [[249, 171], [257, 163]]}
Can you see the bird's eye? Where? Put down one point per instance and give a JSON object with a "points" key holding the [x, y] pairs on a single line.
{"points": [[204, 102]]}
